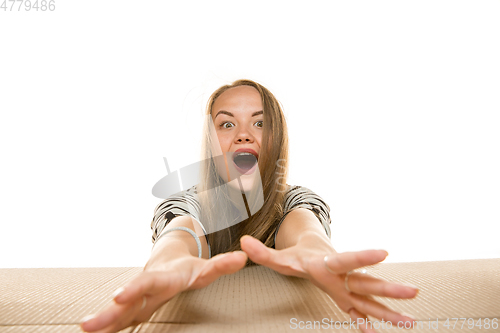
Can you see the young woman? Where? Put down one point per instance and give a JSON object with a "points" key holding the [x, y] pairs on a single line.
{"points": [[242, 212]]}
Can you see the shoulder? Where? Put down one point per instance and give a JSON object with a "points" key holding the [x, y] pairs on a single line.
{"points": [[299, 195], [303, 197], [295, 191], [188, 197]]}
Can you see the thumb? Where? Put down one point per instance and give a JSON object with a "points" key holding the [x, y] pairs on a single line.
{"points": [[222, 264], [257, 251], [229, 263]]}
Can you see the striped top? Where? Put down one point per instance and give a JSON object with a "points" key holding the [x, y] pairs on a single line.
{"points": [[186, 203]]}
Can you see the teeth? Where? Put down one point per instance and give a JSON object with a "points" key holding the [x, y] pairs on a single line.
{"points": [[244, 154]]}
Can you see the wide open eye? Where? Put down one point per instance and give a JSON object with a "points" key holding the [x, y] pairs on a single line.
{"points": [[261, 123], [223, 125]]}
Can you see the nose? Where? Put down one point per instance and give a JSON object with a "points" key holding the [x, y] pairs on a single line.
{"points": [[243, 135]]}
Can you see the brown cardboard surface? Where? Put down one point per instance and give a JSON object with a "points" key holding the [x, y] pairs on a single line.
{"points": [[256, 299]]}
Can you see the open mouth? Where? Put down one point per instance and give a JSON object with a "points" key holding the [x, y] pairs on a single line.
{"points": [[245, 162]]}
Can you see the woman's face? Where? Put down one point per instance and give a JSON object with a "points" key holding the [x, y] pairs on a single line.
{"points": [[238, 117]]}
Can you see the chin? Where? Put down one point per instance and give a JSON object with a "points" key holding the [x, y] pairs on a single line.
{"points": [[247, 182]]}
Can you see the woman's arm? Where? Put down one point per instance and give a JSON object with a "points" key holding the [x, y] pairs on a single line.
{"points": [[177, 244], [295, 224], [173, 267], [304, 250]]}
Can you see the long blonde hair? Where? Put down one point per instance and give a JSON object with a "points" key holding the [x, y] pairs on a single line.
{"points": [[273, 155]]}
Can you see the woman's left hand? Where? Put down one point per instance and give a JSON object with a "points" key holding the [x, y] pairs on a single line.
{"points": [[307, 260]]}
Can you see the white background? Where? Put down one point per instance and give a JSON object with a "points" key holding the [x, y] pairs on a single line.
{"points": [[392, 106]]}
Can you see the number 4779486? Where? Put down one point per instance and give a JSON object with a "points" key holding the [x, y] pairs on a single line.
{"points": [[482, 323], [28, 5]]}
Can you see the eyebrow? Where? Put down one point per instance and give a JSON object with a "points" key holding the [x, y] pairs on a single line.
{"points": [[232, 115]]}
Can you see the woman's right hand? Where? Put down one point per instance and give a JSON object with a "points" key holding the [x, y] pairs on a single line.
{"points": [[155, 286]]}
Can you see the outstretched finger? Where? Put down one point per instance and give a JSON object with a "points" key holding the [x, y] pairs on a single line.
{"points": [[347, 261], [281, 261], [149, 283], [364, 284], [114, 316], [368, 305], [361, 321], [222, 264]]}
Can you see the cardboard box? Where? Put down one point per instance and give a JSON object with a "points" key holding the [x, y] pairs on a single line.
{"points": [[255, 299]]}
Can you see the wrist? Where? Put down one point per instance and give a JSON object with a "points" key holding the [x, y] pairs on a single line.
{"points": [[166, 251], [313, 239]]}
